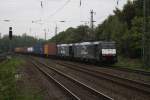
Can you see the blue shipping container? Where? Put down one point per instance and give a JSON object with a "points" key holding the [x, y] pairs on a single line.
{"points": [[38, 48]]}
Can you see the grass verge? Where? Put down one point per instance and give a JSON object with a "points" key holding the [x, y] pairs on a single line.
{"points": [[8, 81], [124, 62]]}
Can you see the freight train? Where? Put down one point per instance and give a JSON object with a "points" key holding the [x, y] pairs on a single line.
{"points": [[99, 51]]}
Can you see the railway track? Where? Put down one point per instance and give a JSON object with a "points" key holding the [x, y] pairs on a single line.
{"points": [[113, 89], [136, 71], [73, 97], [145, 88], [124, 72], [137, 75], [131, 70], [77, 89]]}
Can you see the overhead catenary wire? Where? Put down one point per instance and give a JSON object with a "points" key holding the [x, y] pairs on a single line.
{"points": [[60, 8], [66, 2], [42, 18]]}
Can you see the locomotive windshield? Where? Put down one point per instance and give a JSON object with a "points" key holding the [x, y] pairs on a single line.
{"points": [[108, 46]]}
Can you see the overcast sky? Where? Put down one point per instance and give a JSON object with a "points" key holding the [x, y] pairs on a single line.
{"points": [[21, 13]]}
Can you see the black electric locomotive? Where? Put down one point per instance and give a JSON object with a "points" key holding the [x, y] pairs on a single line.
{"points": [[99, 51]]}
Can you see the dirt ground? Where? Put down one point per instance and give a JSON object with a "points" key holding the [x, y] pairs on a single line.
{"points": [[37, 86]]}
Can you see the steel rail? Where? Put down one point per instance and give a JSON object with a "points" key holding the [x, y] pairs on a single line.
{"points": [[101, 95], [74, 97], [122, 81]]}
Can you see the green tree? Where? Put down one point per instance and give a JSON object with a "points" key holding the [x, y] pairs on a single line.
{"points": [[17, 41], [124, 27]]}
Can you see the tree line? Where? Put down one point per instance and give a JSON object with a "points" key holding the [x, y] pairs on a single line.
{"points": [[124, 26], [17, 41]]}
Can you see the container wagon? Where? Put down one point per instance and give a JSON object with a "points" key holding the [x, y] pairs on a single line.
{"points": [[21, 50], [50, 50], [30, 50], [38, 49], [98, 51]]}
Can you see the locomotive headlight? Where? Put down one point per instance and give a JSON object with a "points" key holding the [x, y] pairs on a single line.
{"points": [[108, 51]]}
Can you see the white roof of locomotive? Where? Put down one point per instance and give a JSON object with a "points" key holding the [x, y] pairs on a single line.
{"points": [[88, 43], [84, 43], [60, 45]]}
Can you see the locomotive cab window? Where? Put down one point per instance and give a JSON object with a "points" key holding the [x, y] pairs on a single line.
{"points": [[108, 46]]}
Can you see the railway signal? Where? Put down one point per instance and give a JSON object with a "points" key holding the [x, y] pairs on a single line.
{"points": [[10, 33], [0, 35]]}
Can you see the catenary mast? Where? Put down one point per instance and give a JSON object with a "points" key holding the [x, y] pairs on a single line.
{"points": [[146, 33]]}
